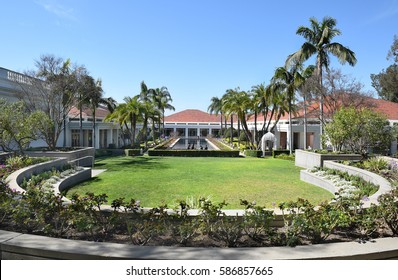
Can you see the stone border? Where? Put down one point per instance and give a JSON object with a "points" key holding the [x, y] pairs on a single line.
{"points": [[384, 185], [4, 156], [86, 152], [312, 179], [306, 159], [15, 246], [17, 177]]}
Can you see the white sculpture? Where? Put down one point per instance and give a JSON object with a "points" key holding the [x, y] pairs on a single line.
{"points": [[266, 137]]}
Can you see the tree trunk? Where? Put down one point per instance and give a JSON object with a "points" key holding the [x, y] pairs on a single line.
{"points": [[305, 122], [290, 129], [81, 143], [232, 130], [94, 134], [320, 83], [238, 132]]}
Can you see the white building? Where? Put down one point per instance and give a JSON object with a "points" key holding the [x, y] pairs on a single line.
{"points": [[187, 123], [107, 133]]}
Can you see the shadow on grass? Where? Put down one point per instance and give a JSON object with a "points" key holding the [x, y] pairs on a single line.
{"points": [[129, 163]]}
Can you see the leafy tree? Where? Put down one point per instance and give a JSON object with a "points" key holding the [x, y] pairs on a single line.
{"points": [[386, 82], [18, 127], [359, 130], [51, 89], [319, 38]]}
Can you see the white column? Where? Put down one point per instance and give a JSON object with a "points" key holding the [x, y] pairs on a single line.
{"points": [[110, 141], [117, 138], [97, 137], [186, 132]]}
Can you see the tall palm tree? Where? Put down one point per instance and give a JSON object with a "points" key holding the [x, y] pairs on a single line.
{"points": [[238, 102], [319, 38], [259, 104], [289, 80], [306, 92], [95, 99], [162, 98], [132, 114], [82, 97], [215, 107], [147, 99], [119, 115]]}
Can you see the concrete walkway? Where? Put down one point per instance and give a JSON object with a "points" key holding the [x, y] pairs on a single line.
{"points": [[96, 172]]}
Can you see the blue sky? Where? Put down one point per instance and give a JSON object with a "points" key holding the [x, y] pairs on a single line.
{"points": [[198, 49]]}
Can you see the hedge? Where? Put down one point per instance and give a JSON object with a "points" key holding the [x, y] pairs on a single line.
{"points": [[193, 153], [279, 152], [132, 152], [254, 153]]}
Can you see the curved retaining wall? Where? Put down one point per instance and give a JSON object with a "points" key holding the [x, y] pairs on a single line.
{"points": [[384, 185], [88, 153], [312, 179], [26, 246], [17, 177]]}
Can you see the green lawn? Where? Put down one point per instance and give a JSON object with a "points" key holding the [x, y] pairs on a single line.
{"points": [[157, 180]]}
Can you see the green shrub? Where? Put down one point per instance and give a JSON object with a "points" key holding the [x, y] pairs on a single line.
{"points": [[286, 157], [102, 153], [316, 225], [254, 153], [132, 152], [388, 209], [375, 164], [227, 133], [279, 152]]}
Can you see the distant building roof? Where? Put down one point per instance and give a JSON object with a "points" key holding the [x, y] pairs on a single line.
{"points": [[100, 113], [192, 115]]}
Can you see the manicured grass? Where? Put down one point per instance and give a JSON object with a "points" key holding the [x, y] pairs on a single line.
{"points": [[158, 180]]}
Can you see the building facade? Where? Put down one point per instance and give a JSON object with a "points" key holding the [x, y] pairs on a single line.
{"points": [[187, 123], [106, 133]]}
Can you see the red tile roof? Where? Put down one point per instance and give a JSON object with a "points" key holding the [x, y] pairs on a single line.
{"points": [[192, 115], [390, 109], [100, 113]]}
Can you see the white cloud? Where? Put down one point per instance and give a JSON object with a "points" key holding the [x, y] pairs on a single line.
{"points": [[53, 7], [390, 11]]}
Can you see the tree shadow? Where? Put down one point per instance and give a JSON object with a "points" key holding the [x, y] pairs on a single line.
{"points": [[132, 163]]}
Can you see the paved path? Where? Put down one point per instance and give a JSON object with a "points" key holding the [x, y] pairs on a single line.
{"points": [[95, 172]]}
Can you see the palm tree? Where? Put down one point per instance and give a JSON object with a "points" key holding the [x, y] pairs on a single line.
{"points": [[289, 80], [319, 38], [259, 104], [163, 101], [119, 115], [147, 100], [306, 92], [215, 107], [95, 99], [238, 102], [82, 98], [132, 114]]}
